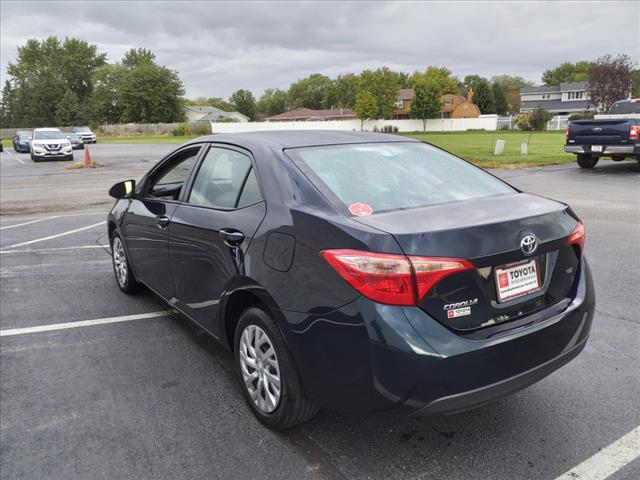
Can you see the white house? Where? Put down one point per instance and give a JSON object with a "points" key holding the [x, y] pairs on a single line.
{"points": [[563, 99], [206, 113]]}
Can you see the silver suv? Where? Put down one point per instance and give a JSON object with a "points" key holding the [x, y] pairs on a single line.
{"points": [[50, 143], [85, 134]]}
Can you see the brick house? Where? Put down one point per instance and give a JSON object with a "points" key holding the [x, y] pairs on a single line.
{"points": [[453, 106]]}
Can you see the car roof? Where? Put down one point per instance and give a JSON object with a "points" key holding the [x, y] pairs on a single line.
{"points": [[282, 139], [47, 130]]}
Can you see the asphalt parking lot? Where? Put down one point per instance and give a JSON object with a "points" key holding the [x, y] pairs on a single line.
{"points": [[144, 394]]}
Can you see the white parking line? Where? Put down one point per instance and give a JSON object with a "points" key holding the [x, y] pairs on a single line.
{"points": [[8, 218], [22, 244], [19, 160], [608, 460], [82, 323], [28, 223], [54, 249]]}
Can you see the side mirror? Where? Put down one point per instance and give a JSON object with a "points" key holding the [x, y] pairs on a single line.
{"points": [[123, 189]]}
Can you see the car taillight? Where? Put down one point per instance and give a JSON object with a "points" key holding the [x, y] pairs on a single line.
{"points": [[567, 133], [392, 279], [577, 237], [634, 131]]}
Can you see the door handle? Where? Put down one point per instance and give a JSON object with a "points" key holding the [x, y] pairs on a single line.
{"points": [[232, 238], [162, 222]]}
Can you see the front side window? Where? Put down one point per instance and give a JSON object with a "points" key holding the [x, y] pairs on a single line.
{"points": [[225, 180], [393, 176]]}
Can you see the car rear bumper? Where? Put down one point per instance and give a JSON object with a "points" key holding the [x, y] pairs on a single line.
{"points": [[367, 357], [606, 149]]}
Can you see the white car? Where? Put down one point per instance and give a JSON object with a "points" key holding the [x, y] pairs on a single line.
{"points": [[50, 143], [85, 134]]}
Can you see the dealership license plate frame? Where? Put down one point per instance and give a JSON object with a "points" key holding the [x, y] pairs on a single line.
{"points": [[520, 292]]}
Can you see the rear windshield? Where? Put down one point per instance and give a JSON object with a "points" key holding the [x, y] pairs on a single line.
{"points": [[378, 177], [625, 107]]}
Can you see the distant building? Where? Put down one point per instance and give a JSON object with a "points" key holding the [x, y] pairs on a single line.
{"points": [[563, 99], [453, 106], [309, 114], [207, 113]]}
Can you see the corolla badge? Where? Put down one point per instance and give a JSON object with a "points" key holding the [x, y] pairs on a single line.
{"points": [[529, 244]]}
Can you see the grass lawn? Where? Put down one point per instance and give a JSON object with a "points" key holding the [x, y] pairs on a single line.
{"points": [[545, 148]]}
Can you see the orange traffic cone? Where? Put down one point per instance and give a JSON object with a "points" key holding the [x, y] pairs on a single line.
{"points": [[87, 157]]}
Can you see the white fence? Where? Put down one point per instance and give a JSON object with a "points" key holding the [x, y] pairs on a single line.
{"points": [[484, 122]]}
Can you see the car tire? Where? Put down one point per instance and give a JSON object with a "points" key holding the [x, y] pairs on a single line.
{"points": [[69, 158], [587, 161], [260, 373], [125, 278], [34, 158]]}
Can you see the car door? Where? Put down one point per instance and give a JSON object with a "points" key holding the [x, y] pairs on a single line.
{"points": [[147, 218], [210, 231]]}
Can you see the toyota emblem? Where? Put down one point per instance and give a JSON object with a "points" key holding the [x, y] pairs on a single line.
{"points": [[529, 244]]}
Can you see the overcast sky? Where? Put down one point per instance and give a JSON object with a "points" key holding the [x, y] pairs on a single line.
{"points": [[220, 47]]}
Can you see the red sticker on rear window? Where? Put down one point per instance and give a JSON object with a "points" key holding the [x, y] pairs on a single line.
{"points": [[360, 209]]}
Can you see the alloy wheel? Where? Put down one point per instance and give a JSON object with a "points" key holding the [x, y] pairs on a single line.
{"points": [[120, 262], [260, 368]]}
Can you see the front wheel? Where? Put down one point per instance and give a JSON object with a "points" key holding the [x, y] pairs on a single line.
{"points": [[267, 373], [124, 276], [586, 161]]}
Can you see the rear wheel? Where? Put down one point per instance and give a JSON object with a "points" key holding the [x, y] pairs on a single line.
{"points": [[587, 161], [124, 276], [267, 373]]}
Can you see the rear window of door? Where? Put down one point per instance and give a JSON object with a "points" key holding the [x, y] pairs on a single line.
{"points": [[226, 179]]}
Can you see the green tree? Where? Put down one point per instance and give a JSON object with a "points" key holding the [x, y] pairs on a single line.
{"points": [[366, 106], [383, 85], [138, 56], [147, 92], [273, 102], [509, 83], [315, 91], [426, 101], [500, 99], [6, 106], [104, 97], [244, 102], [482, 93], [43, 71], [567, 72], [68, 110], [441, 76], [511, 87], [346, 89]]}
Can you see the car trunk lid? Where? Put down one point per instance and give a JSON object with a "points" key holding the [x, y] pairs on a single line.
{"points": [[489, 232]]}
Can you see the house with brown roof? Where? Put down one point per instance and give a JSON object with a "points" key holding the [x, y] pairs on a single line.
{"points": [[309, 114], [453, 106]]}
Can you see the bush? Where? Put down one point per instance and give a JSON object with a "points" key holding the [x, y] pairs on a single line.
{"points": [[182, 130], [536, 120], [539, 119], [201, 129], [581, 116]]}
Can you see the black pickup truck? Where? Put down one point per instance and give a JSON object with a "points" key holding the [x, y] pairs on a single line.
{"points": [[614, 135]]}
